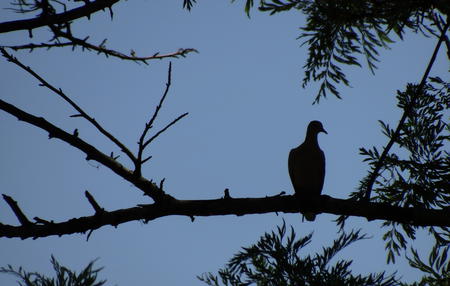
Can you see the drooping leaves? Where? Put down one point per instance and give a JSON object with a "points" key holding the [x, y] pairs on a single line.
{"points": [[338, 33]]}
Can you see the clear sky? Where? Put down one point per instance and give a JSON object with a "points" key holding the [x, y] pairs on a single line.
{"points": [[246, 111]]}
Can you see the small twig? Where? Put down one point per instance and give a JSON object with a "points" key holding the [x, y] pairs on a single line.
{"points": [[146, 159], [94, 204], [17, 211], [114, 157], [89, 234], [407, 110], [149, 124], [161, 184], [142, 143], [226, 194], [282, 193], [42, 221], [164, 129], [59, 92]]}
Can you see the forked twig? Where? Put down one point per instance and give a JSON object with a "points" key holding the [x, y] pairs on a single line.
{"points": [[164, 129], [142, 143]]}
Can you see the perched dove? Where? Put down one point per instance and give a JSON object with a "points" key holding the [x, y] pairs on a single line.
{"points": [[307, 166]]}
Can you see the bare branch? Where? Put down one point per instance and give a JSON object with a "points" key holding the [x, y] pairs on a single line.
{"points": [[149, 124], [375, 171], [17, 211], [81, 112], [146, 159], [84, 11], [142, 143], [232, 206], [92, 153], [74, 42]]}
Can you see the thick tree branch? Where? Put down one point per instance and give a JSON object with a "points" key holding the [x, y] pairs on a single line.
{"points": [[92, 153], [84, 11], [230, 206]]}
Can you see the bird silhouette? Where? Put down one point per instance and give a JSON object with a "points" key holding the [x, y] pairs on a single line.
{"points": [[306, 166]]}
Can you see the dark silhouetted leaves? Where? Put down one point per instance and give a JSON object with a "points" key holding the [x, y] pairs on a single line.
{"points": [[417, 172], [340, 32], [275, 260], [64, 276]]}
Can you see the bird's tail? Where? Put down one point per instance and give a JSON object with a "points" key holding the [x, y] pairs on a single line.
{"points": [[309, 216]]}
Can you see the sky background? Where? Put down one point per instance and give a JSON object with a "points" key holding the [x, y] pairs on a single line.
{"points": [[247, 109]]}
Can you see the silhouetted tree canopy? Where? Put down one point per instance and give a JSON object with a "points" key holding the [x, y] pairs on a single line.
{"points": [[407, 188], [279, 258]]}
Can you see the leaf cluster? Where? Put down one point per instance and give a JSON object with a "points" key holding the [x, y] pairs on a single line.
{"points": [[436, 269], [340, 32], [275, 260], [417, 174], [64, 276]]}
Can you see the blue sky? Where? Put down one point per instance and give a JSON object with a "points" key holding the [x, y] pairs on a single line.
{"points": [[246, 111]]}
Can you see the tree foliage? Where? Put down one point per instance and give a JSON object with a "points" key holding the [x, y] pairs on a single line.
{"points": [[277, 259], [436, 270], [417, 173], [63, 276], [408, 179], [338, 32], [414, 167]]}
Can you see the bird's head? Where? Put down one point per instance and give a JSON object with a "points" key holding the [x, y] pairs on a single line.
{"points": [[315, 127]]}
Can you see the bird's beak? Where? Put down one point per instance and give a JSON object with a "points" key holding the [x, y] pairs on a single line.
{"points": [[323, 130]]}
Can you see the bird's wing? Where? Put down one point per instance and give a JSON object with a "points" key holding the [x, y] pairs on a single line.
{"points": [[320, 172], [307, 170], [298, 169]]}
